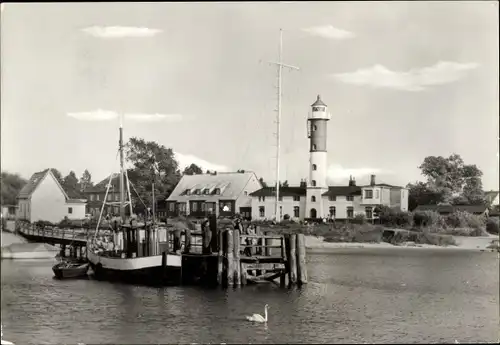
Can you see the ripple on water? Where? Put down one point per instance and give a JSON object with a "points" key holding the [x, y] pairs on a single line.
{"points": [[357, 296]]}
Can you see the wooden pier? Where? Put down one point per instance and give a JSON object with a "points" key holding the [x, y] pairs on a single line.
{"points": [[230, 258]]}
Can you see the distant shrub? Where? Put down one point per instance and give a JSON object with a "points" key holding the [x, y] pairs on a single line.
{"points": [[428, 218], [492, 226], [460, 219], [435, 239], [391, 217], [359, 219], [286, 217]]}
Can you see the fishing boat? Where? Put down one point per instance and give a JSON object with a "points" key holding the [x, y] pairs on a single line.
{"points": [[68, 269], [139, 252]]}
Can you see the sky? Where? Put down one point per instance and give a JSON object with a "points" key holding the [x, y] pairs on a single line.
{"points": [[402, 81]]}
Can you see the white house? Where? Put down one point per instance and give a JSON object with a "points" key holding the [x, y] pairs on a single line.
{"points": [[314, 199], [43, 198], [225, 194], [492, 197]]}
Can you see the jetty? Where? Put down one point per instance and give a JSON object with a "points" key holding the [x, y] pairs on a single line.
{"points": [[231, 258]]}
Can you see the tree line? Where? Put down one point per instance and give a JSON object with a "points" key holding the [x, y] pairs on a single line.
{"points": [[448, 179]]}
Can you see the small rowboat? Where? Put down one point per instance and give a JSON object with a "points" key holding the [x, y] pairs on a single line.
{"points": [[67, 269]]}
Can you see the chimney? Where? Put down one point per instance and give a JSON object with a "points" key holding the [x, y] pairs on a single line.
{"points": [[372, 180], [352, 182], [303, 183]]}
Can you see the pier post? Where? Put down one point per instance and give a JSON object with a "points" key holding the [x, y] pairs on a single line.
{"points": [[236, 253], [220, 257], [187, 241], [177, 240], [292, 259], [301, 259], [283, 257], [230, 258], [268, 242]]}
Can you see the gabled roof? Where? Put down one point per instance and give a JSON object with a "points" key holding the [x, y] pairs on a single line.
{"points": [[318, 102], [101, 186], [447, 208], [231, 186], [284, 191], [343, 191], [35, 181], [382, 185]]}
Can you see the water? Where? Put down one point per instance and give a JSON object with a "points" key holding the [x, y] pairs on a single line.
{"points": [[354, 296]]}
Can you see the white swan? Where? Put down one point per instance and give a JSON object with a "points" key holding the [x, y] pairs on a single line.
{"points": [[258, 317]]}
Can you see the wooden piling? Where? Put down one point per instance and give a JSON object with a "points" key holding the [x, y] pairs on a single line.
{"points": [[293, 259], [268, 243], [283, 256], [177, 240], [230, 257], [236, 253], [187, 241], [301, 260], [220, 263]]}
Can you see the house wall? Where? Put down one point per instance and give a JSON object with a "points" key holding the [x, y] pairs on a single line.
{"points": [[318, 204], [78, 210], [404, 199], [287, 207], [376, 195], [23, 211], [341, 204], [245, 200], [48, 201]]}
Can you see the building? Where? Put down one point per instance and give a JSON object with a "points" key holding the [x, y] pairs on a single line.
{"points": [[445, 209], [96, 194], [223, 193], [43, 198], [492, 198], [9, 211], [313, 198]]}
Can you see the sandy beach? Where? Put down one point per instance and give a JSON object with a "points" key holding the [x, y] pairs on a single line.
{"points": [[463, 243]]}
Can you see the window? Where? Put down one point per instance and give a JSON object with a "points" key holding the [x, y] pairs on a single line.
{"points": [[110, 197], [332, 198], [280, 198], [313, 198], [225, 206], [205, 191], [368, 212], [70, 210], [197, 191], [313, 147], [216, 191], [296, 198], [97, 197], [350, 212], [349, 197], [117, 197], [92, 197], [187, 191], [203, 207], [318, 108], [333, 211], [262, 211], [171, 207], [195, 206], [314, 167], [314, 128], [376, 194], [296, 210], [262, 198], [368, 194], [313, 183]]}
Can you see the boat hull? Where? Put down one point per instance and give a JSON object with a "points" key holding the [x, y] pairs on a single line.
{"points": [[70, 272], [149, 270]]}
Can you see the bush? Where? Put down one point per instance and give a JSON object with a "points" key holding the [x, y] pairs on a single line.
{"points": [[359, 219], [492, 226], [391, 217], [428, 218], [286, 217], [460, 219]]}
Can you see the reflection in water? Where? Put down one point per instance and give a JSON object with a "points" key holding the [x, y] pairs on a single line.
{"points": [[354, 296]]}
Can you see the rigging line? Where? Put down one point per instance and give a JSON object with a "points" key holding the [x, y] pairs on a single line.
{"points": [[135, 190]]}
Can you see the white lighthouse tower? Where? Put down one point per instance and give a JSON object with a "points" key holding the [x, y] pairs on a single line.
{"points": [[317, 133]]}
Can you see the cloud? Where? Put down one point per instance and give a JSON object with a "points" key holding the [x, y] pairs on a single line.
{"points": [[413, 80], [97, 115], [338, 173], [186, 160], [106, 115], [120, 31], [328, 31]]}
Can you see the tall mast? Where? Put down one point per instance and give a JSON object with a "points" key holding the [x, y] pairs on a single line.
{"points": [[122, 180], [280, 65]]}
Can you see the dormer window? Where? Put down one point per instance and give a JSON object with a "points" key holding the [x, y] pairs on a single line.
{"points": [[205, 191], [187, 192], [217, 191], [197, 192]]}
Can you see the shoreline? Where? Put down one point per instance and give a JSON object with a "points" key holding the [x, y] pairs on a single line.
{"points": [[314, 243]]}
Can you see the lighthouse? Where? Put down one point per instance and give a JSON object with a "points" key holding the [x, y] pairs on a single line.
{"points": [[317, 121]]}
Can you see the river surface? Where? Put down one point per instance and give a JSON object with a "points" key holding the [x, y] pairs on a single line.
{"points": [[353, 296]]}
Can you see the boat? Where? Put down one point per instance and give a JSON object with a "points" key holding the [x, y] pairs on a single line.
{"points": [[68, 269], [137, 252]]}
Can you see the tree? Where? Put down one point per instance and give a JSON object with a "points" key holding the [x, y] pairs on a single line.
{"points": [[262, 182], [421, 194], [449, 180], [71, 185], [85, 181], [11, 185], [57, 174], [193, 169], [152, 163]]}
